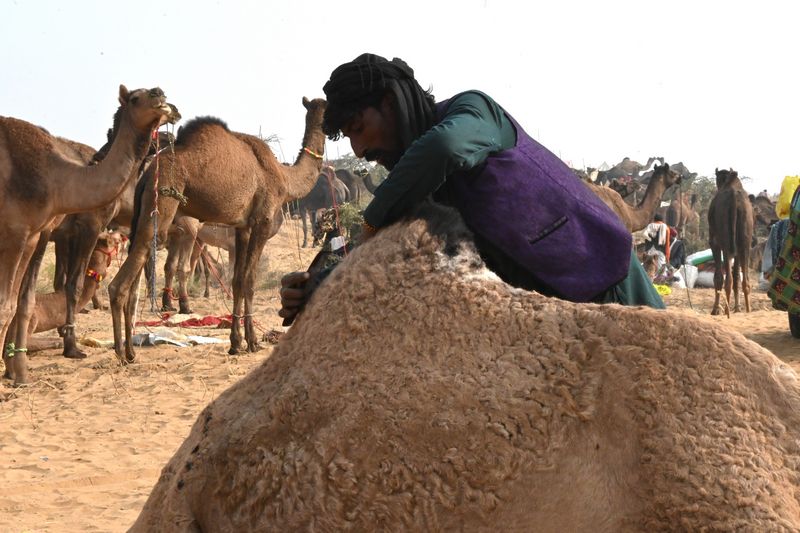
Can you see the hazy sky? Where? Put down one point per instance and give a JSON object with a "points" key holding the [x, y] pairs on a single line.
{"points": [[712, 84]]}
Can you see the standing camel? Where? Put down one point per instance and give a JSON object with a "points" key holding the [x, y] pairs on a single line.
{"points": [[76, 236], [327, 191], [730, 230], [226, 178], [636, 218], [42, 181], [681, 215]]}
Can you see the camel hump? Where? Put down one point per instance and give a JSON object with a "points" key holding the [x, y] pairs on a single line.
{"points": [[191, 128]]}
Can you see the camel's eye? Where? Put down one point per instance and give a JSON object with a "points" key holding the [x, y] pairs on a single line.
{"points": [[134, 100]]}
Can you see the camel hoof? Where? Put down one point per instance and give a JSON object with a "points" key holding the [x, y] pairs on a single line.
{"points": [[715, 311], [8, 375], [167, 308], [75, 354], [21, 384], [253, 347], [234, 351], [185, 310]]}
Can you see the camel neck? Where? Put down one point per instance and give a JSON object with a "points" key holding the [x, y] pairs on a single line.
{"points": [[86, 188], [302, 176]]}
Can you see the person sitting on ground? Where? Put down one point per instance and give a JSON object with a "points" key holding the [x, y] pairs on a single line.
{"points": [[529, 213]]}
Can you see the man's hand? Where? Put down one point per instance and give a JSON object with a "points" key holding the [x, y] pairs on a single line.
{"points": [[293, 295]]}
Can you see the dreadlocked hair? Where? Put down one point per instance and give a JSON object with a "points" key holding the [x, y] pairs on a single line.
{"points": [[364, 82]]}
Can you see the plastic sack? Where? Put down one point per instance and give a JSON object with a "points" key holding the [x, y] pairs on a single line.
{"points": [[789, 185]]}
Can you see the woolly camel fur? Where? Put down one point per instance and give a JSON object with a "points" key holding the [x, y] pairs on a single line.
{"points": [[227, 178], [730, 232], [40, 181], [636, 218], [503, 411]]}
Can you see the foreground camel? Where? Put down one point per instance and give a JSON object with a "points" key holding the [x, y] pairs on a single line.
{"points": [[730, 232], [42, 181], [636, 218], [226, 178], [418, 392]]}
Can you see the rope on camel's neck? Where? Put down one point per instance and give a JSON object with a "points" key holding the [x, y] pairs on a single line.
{"points": [[154, 216]]}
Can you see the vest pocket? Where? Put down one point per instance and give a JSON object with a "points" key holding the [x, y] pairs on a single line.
{"points": [[547, 230]]}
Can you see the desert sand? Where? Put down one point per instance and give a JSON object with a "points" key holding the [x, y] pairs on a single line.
{"points": [[84, 444]]}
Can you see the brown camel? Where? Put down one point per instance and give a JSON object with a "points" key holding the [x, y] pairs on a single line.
{"points": [[327, 191], [366, 180], [417, 392], [730, 232], [76, 236], [681, 213], [636, 218], [625, 168], [42, 181], [226, 178], [180, 248], [50, 308], [763, 214], [186, 240]]}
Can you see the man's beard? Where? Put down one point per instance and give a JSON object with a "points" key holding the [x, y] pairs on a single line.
{"points": [[387, 159]]}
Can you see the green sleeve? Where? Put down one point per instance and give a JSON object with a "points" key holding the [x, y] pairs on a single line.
{"points": [[473, 128]]}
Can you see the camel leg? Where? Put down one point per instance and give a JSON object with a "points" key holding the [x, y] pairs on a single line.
{"points": [[185, 248], [242, 241], [170, 267], [13, 263], [718, 279], [258, 238], [122, 287], [62, 261], [728, 283], [735, 274], [746, 283], [80, 250], [206, 271], [25, 308], [303, 212]]}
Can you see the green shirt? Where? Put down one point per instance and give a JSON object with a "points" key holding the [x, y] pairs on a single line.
{"points": [[473, 127]]}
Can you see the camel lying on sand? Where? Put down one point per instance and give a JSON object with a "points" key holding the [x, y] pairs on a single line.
{"points": [[419, 392], [51, 308]]}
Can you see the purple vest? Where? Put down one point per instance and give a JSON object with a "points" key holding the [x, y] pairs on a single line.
{"points": [[532, 206]]}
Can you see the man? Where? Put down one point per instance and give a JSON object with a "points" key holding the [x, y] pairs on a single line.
{"points": [[658, 235], [535, 224]]}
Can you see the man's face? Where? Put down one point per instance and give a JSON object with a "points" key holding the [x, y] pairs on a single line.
{"points": [[373, 134]]}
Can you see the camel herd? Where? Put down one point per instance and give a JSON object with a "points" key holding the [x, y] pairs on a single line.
{"points": [[504, 410]]}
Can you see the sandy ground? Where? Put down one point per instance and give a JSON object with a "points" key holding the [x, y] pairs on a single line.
{"points": [[81, 448]]}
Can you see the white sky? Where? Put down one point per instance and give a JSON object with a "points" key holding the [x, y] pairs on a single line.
{"points": [[709, 83]]}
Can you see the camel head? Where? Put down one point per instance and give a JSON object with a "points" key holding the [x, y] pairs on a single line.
{"points": [[147, 108], [726, 178], [664, 172], [315, 109], [108, 245]]}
